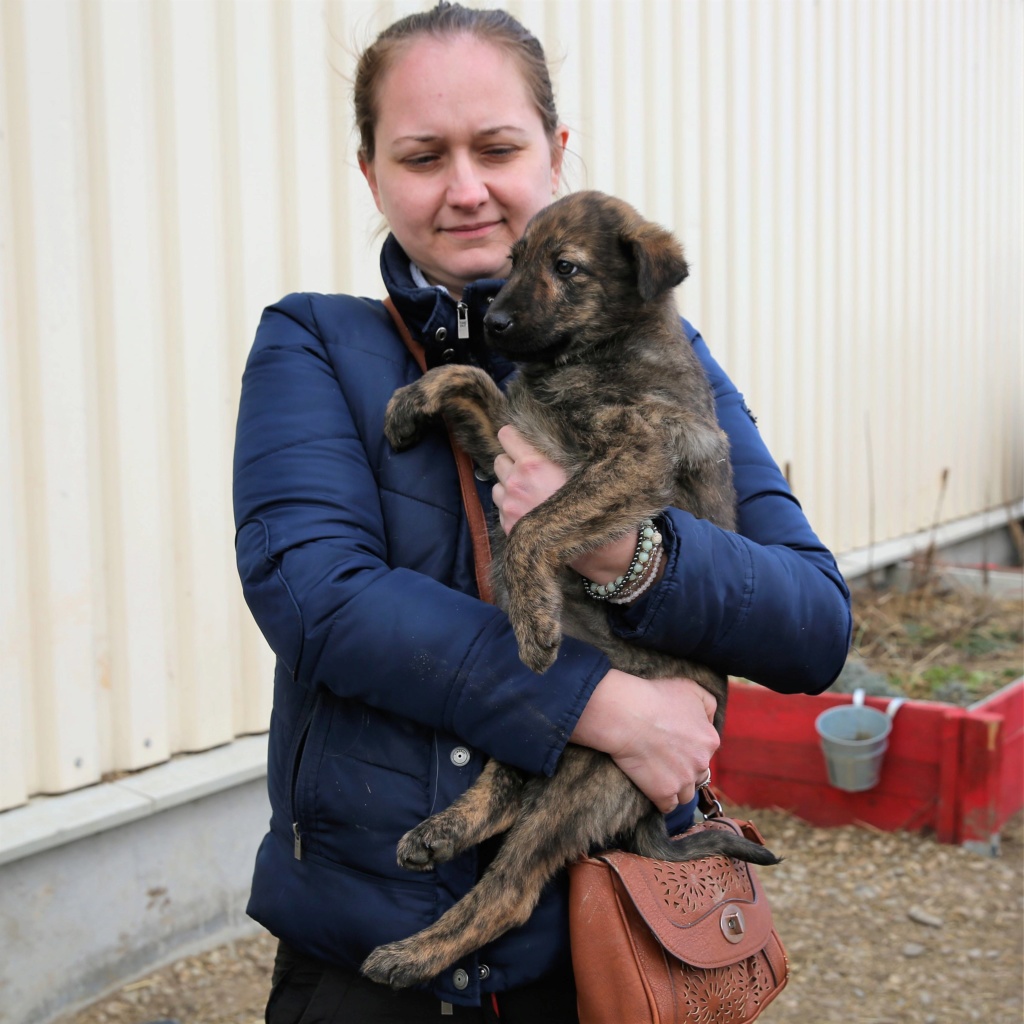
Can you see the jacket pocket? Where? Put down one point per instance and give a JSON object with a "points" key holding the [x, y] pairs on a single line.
{"points": [[361, 779]]}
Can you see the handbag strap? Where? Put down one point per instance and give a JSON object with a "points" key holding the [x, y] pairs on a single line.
{"points": [[478, 529], [707, 803], [711, 808]]}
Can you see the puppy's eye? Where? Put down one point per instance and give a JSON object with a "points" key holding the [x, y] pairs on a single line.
{"points": [[565, 269]]}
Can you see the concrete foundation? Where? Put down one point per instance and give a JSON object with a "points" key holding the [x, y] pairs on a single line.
{"points": [[141, 872]]}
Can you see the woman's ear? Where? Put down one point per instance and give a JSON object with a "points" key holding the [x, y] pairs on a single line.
{"points": [[370, 174], [558, 144]]}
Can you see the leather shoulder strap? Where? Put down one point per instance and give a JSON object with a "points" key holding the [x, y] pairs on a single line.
{"points": [[478, 530]]}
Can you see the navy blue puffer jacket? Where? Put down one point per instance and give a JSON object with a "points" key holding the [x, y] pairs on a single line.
{"points": [[394, 682]]}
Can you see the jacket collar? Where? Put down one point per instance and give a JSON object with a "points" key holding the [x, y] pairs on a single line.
{"points": [[432, 315]]}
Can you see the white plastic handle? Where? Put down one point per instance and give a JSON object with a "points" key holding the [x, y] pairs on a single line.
{"points": [[894, 705]]}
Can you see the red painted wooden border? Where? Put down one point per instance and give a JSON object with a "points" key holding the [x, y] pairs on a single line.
{"points": [[953, 771], [1007, 704]]}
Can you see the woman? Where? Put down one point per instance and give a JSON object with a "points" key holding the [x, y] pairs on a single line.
{"points": [[394, 682]]}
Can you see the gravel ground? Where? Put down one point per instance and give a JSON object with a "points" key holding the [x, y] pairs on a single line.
{"points": [[881, 928]]}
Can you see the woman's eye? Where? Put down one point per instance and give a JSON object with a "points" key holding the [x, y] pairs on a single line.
{"points": [[565, 269], [420, 160]]}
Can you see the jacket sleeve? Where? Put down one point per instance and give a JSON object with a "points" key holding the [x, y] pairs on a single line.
{"points": [[312, 554], [766, 603]]}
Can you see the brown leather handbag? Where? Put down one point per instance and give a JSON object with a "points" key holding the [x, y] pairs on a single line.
{"points": [[665, 942]]}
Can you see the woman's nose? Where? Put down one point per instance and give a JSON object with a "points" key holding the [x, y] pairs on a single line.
{"points": [[466, 187]]}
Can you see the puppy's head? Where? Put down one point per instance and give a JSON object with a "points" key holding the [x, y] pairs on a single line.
{"points": [[586, 270]]}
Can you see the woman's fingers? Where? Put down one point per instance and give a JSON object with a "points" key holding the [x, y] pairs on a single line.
{"points": [[659, 732], [525, 478]]}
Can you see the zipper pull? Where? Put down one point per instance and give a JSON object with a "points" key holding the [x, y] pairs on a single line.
{"points": [[462, 311], [298, 840]]}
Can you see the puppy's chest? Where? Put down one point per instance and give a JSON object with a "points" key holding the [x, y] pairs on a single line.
{"points": [[572, 419]]}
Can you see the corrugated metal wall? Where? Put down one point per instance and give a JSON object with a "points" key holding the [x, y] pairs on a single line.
{"points": [[846, 177]]}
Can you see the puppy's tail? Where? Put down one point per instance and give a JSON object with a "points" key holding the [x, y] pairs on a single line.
{"points": [[651, 839]]}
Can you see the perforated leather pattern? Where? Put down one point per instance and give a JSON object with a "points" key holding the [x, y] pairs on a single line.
{"points": [[725, 995], [687, 892]]}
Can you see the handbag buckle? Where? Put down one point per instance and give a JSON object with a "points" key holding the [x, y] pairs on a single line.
{"points": [[733, 925]]}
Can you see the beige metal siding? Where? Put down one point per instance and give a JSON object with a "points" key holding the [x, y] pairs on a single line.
{"points": [[845, 175]]}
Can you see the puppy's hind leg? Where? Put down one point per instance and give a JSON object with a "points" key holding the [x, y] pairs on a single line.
{"points": [[503, 899], [488, 807], [586, 803]]}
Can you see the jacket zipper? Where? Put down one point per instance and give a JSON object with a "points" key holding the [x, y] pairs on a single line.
{"points": [[312, 703], [462, 312]]}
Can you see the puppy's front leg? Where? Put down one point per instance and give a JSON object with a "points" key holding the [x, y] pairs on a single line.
{"points": [[530, 571], [598, 504], [471, 403]]}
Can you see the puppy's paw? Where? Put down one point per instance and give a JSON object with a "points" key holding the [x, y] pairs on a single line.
{"points": [[396, 964], [405, 418], [424, 846], [539, 641]]}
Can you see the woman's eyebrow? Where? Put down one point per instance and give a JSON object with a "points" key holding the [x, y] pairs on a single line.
{"points": [[498, 129], [417, 138], [483, 133]]}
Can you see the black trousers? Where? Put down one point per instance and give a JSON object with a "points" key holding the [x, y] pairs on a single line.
{"points": [[306, 991]]}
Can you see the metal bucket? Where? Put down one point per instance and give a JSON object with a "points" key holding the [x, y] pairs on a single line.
{"points": [[854, 739]]}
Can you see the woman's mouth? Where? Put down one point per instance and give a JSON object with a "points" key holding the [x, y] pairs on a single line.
{"points": [[469, 231]]}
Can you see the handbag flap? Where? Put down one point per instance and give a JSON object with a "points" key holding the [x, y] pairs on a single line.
{"points": [[709, 912]]}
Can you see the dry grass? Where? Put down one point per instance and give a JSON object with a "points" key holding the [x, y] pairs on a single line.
{"points": [[939, 641]]}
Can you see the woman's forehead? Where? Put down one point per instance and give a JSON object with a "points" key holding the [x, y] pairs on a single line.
{"points": [[461, 78]]}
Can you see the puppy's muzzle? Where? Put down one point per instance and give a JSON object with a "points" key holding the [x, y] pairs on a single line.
{"points": [[497, 323]]}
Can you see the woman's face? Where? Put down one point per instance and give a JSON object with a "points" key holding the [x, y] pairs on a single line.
{"points": [[461, 159]]}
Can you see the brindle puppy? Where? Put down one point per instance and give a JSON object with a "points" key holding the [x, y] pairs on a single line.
{"points": [[610, 389]]}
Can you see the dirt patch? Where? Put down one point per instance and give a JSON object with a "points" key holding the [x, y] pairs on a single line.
{"points": [[881, 928], [225, 985]]}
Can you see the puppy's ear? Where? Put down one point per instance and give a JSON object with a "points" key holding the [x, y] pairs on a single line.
{"points": [[657, 256]]}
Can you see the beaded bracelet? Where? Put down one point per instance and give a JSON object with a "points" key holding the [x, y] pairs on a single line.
{"points": [[644, 584], [648, 545]]}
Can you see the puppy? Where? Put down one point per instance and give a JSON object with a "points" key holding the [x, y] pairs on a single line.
{"points": [[610, 389]]}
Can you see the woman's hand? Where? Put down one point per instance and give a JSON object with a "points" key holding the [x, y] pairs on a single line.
{"points": [[525, 479], [658, 731]]}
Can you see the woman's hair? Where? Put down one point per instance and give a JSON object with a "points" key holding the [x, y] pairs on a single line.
{"points": [[445, 20]]}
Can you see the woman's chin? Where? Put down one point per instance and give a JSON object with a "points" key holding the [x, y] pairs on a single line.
{"points": [[474, 264], [485, 269]]}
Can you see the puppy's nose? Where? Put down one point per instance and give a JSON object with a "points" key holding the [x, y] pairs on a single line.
{"points": [[497, 322]]}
